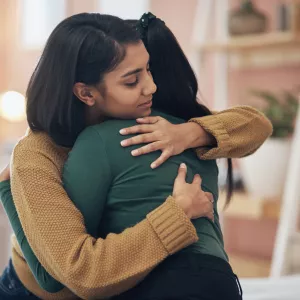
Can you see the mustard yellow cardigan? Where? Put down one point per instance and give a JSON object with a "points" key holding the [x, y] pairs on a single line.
{"points": [[96, 268]]}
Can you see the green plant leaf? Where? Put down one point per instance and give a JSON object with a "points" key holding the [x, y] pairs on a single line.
{"points": [[267, 96], [291, 100], [281, 111]]}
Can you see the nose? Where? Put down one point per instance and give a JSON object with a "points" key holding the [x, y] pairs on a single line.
{"points": [[149, 87]]}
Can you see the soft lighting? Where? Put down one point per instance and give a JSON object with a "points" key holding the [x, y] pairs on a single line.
{"points": [[12, 106]]}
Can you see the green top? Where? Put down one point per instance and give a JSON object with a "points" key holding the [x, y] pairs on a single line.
{"points": [[114, 190]]}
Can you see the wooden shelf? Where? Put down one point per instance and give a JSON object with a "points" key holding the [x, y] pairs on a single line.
{"points": [[253, 42], [245, 206], [260, 50]]}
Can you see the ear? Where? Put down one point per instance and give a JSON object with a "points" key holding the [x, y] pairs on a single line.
{"points": [[85, 93]]}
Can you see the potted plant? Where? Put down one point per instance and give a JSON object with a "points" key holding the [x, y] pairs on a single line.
{"points": [[264, 172]]}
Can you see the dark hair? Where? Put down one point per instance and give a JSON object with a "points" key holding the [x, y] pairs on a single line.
{"points": [[82, 48], [177, 85]]}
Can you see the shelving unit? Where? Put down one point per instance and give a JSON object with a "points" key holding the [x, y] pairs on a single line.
{"points": [[273, 40], [265, 50], [269, 49], [245, 206], [260, 50]]}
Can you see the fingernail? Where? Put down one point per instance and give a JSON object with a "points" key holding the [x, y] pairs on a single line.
{"points": [[124, 143], [153, 166], [135, 152], [123, 131], [183, 165], [139, 119]]}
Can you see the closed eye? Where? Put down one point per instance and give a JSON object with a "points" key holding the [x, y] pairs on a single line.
{"points": [[134, 83]]}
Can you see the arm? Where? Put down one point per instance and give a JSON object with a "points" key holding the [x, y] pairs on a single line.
{"points": [[232, 133], [55, 230], [45, 281], [238, 131]]}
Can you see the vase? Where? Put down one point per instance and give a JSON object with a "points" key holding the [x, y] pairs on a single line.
{"points": [[264, 172], [246, 20]]}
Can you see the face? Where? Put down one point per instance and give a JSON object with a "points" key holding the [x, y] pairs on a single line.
{"points": [[126, 92]]}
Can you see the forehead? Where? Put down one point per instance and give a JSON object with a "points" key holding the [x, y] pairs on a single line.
{"points": [[136, 57]]}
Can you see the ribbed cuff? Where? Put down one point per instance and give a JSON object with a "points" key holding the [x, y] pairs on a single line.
{"points": [[215, 127], [172, 226]]}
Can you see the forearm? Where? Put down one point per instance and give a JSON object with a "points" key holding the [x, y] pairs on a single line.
{"points": [[239, 131], [90, 267], [196, 136], [45, 281]]}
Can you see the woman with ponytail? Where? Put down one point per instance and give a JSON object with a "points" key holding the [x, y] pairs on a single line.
{"points": [[94, 69]]}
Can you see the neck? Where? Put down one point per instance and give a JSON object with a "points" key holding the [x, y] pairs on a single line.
{"points": [[93, 117]]}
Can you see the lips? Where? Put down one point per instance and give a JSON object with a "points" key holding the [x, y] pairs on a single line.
{"points": [[146, 104]]}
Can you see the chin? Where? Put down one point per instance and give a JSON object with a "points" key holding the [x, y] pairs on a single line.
{"points": [[145, 113]]}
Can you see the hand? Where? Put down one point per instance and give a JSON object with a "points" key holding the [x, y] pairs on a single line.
{"points": [[190, 197], [5, 174], [160, 135]]}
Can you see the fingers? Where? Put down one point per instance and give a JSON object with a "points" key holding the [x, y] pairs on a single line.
{"points": [[210, 197], [137, 129], [139, 139], [197, 179], [207, 211], [147, 149], [181, 174], [164, 156], [211, 216], [148, 120]]}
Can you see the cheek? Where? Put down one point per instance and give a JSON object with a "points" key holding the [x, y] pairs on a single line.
{"points": [[122, 103], [126, 97]]}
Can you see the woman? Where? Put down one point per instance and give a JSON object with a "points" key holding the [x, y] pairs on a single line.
{"points": [[112, 202], [50, 158]]}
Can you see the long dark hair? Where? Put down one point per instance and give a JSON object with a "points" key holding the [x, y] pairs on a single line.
{"points": [[82, 48], [177, 85]]}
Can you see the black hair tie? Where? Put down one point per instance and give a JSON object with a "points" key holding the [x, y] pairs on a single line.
{"points": [[142, 25]]}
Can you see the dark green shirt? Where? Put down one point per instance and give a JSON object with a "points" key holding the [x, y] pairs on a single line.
{"points": [[115, 190]]}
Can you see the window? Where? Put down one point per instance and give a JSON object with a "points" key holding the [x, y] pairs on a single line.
{"points": [[39, 17], [129, 9]]}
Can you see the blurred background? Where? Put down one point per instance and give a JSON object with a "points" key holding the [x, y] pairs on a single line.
{"points": [[244, 53]]}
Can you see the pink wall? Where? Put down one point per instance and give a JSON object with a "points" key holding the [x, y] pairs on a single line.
{"points": [[179, 16], [17, 64], [12, 68], [274, 79], [2, 46]]}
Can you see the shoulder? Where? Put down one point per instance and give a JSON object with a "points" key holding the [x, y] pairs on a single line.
{"points": [[37, 147], [113, 125], [107, 129], [170, 118]]}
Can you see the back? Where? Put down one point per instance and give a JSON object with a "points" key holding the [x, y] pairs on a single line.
{"points": [[135, 189]]}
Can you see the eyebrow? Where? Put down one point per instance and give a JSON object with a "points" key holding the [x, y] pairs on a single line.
{"points": [[134, 71]]}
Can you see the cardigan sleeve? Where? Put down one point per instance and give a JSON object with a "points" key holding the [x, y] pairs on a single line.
{"points": [[45, 280], [55, 230], [239, 131]]}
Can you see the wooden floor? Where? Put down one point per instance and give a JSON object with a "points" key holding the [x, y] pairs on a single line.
{"points": [[245, 266]]}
